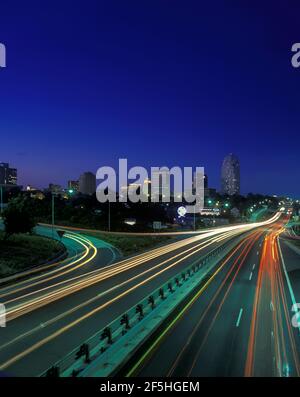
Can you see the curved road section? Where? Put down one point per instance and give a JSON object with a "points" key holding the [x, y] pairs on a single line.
{"points": [[50, 314]]}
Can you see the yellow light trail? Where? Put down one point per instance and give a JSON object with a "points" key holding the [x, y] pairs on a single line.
{"points": [[61, 270], [105, 273], [101, 307], [91, 300], [49, 298], [97, 309]]}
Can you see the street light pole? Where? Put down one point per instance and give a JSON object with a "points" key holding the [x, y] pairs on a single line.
{"points": [[194, 218], [108, 215], [1, 198], [52, 215]]}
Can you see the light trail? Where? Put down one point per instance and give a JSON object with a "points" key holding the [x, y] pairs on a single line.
{"points": [[141, 258], [58, 294], [93, 231], [109, 271], [70, 267], [61, 270], [186, 308], [99, 296], [270, 287], [234, 271], [154, 253], [94, 311]]}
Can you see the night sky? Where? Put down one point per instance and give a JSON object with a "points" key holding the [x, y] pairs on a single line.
{"points": [[158, 82]]}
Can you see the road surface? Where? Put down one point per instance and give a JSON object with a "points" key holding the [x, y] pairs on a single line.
{"points": [[241, 325]]}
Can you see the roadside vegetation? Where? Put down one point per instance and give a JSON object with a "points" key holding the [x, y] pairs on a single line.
{"points": [[23, 251], [19, 248]]}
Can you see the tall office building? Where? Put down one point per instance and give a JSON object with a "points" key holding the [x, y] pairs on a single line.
{"points": [[8, 176], [87, 183], [230, 175]]}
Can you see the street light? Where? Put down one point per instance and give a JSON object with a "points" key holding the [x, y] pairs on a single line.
{"points": [[109, 215], [52, 212], [1, 198]]}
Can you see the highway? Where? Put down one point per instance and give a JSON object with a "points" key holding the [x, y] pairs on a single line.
{"points": [[50, 314], [238, 325]]}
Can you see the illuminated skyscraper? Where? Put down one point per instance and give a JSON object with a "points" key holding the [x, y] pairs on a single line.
{"points": [[230, 175]]}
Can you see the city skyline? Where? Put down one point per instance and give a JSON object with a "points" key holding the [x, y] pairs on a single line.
{"points": [[219, 187], [177, 99]]}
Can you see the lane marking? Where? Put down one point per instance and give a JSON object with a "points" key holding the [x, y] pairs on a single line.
{"points": [[239, 317], [287, 278], [250, 277], [253, 267]]}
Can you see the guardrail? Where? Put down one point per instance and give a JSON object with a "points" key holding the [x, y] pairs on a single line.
{"points": [[102, 341]]}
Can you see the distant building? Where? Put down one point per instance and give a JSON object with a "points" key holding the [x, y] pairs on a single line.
{"points": [[34, 192], [87, 183], [230, 175], [73, 185], [8, 176]]}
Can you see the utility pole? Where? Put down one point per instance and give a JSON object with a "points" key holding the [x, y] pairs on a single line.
{"points": [[1, 198], [52, 215], [194, 218], [108, 215]]}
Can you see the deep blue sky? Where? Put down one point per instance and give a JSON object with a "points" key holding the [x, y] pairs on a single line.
{"points": [[159, 82]]}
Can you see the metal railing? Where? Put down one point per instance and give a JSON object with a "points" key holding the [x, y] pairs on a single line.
{"points": [[101, 341]]}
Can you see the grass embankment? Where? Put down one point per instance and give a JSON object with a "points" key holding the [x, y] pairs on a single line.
{"points": [[129, 245], [21, 252]]}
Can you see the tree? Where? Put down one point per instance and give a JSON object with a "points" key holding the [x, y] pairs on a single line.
{"points": [[18, 217]]}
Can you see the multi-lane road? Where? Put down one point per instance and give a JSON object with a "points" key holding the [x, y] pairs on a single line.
{"points": [[241, 323], [220, 331]]}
